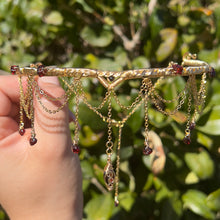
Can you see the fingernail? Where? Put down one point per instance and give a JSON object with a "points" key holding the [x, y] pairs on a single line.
{"points": [[49, 79]]}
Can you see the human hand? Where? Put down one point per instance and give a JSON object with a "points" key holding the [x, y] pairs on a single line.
{"points": [[43, 181]]}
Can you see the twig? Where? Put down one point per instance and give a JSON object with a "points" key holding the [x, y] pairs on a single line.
{"points": [[98, 185]]}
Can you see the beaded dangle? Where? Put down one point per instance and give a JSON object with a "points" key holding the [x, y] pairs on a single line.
{"points": [[147, 94]]}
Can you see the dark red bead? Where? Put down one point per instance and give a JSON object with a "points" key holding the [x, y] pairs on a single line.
{"points": [[187, 140], [33, 141], [41, 71], [21, 131], [192, 126], [75, 148], [177, 68], [212, 73], [147, 151], [14, 69]]}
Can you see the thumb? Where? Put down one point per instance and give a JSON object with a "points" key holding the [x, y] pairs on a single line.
{"points": [[51, 114]]}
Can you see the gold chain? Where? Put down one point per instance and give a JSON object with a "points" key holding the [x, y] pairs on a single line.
{"points": [[147, 92]]}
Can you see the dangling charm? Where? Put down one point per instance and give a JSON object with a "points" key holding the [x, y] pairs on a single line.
{"points": [[147, 150], [21, 129], [75, 148], [116, 201], [33, 140], [109, 175], [187, 140]]}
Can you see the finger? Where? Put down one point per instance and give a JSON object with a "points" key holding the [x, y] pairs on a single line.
{"points": [[52, 129], [10, 87], [8, 126]]}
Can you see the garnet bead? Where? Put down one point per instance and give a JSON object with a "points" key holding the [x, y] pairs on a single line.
{"points": [[75, 148], [192, 126], [178, 69], [14, 69], [41, 71], [33, 141], [187, 140], [21, 131], [147, 150]]}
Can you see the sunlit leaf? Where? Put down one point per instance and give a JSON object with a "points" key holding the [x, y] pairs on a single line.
{"points": [[100, 207], [212, 126], [54, 18], [200, 163], [88, 137], [103, 39], [191, 178], [140, 62], [169, 40], [126, 200], [206, 11], [86, 7], [204, 140], [120, 56], [183, 20], [195, 201], [213, 200]]}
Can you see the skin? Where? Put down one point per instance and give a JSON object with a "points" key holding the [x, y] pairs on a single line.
{"points": [[43, 181]]}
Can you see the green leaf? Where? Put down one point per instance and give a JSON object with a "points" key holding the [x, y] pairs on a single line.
{"points": [[204, 140], [195, 201], [201, 164], [108, 64], [120, 56], [136, 120], [157, 119], [91, 119], [2, 215], [156, 24], [104, 38], [191, 178], [149, 182], [87, 169], [99, 208], [213, 200], [126, 152], [126, 200], [217, 15], [54, 18], [169, 38], [88, 138], [125, 168], [86, 7], [140, 62], [183, 20], [212, 126], [210, 56]]}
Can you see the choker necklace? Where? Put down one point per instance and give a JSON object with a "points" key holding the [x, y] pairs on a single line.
{"points": [[148, 93]]}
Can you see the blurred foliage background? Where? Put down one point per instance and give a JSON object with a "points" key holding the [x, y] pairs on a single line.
{"points": [[117, 35]]}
